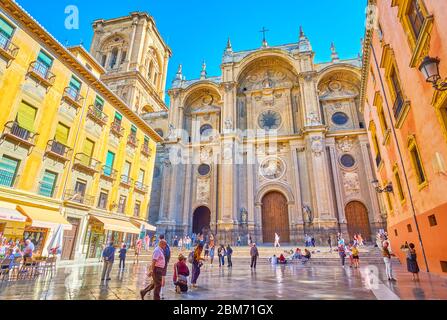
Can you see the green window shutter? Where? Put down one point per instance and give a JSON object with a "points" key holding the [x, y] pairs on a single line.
{"points": [[45, 59], [8, 171], [89, 146], [26, 116], [75, 84], [5, 28], [133, 129], [146, 140], [99, 102], [110, 159], [48, 183], [118, 116], [62, 133]]}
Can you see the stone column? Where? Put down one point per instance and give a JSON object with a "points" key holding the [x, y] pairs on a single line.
{"points": [[187, 198], [337, 182], [297, 217]]}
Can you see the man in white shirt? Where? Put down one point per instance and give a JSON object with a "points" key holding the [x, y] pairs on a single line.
{"points": [[156, 271]]}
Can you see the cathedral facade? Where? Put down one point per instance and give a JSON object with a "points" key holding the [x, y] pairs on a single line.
{"points": [[275, 144]]}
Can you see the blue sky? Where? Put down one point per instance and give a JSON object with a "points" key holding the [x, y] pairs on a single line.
{"points": [[198, 29]]}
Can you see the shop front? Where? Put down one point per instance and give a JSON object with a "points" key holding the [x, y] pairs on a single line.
{"points": [[103, 230], [12, 222], [41, 223], [146, 229]]}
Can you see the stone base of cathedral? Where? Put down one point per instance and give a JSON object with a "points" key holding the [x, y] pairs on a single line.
{"points": [[228, 232]]}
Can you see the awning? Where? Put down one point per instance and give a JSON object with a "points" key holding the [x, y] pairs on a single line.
{"points": [[117, 225], [9, 212], [147, 226], [44, 218]]}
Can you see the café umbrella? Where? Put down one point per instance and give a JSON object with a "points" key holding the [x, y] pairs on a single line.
{"points": [[55, 244]]}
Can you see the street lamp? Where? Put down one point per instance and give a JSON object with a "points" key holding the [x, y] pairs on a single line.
{"points": [[387, 189], [430, 69]]}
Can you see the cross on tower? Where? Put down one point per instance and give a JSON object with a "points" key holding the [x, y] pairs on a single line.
{"points": [[264, 30]]}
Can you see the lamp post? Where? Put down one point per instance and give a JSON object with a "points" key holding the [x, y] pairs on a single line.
{"points": [[430, 69], [387, 189]]}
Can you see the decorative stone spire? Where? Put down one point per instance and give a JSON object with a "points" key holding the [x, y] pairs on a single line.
{"points": [[229, 48], [303, 43], [334, 54], [179, 77], [264, 40], [203, 73], [228, 52]]}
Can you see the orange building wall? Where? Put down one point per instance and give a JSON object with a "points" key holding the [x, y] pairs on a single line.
{"points": [[422, 122]]}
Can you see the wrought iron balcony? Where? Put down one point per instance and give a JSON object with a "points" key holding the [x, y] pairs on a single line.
{"points": [[21, 136], [139, 186], [97, 115], [41, 73], [87, 164], [145, 150], [73, 97], [126, 181], [116, 129], [78, 197], [7, 49], [108, 173], [58, 151], [132, 140]]}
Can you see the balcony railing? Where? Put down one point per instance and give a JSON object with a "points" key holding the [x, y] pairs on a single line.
{"points": [[97, 115], [6, 178], [132, 140], [41, 73], [145, 150], [397, 107], [83, 162], [78, 197], [73, 97], [116, 129], [108, 173], [14, 132], [139, 186], [7, 49], [378, 160], [126, 181], [58, 151]]}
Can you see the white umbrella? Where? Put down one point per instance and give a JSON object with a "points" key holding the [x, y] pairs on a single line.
{"points": [[55, 244]]}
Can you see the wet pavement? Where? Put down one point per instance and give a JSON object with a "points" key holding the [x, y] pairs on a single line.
{"points": [[267, 282]]}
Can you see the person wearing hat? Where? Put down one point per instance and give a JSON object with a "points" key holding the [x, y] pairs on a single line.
{"points": [[181, 273]]}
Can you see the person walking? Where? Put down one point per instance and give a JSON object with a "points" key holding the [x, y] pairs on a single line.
{"points": [[355, 256], [229, 253], [212, 255], [167, 254], [138, 247], [156, 271], [277, 245], [254, 253], [329, 242], [412, 264], [313, 242], [181, 273], [386, 253], [221, 255], [196, 264], [207, 251], [342, 253], [108, 256], [122, 256], [239, 241]]}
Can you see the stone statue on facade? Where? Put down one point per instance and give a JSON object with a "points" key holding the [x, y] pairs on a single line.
{"points": [[244, 216], [228, 124], [307, 212], [171, 133]]}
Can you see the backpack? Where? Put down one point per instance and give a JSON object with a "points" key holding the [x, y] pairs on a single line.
{"points": [[191, 257], [167, 253]]}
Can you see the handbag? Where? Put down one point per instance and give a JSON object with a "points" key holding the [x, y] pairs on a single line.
{"points": [[181, 279]]}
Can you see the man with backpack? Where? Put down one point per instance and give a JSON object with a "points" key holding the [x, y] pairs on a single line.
{"points": [[229, 253], [167, 254]]}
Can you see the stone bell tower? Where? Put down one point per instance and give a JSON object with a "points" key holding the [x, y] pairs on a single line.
{"points": [[135, 58]]}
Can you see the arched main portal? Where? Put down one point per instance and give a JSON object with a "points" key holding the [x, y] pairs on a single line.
{"points": [[275, 217], [201, 220], [357, 219]]}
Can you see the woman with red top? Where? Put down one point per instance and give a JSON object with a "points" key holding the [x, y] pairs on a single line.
{"points": [[181, 273]]}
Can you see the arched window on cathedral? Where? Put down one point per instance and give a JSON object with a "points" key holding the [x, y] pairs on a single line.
{"points": [[150, 71], [113, 58], [123, 56], [103, 60]]}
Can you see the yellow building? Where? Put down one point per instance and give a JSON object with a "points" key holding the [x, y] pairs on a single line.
{"points": [[72, 152]]}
